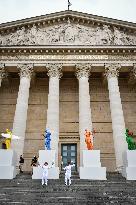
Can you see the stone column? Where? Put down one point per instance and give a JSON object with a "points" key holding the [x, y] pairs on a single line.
{"points": [[117, 117], [54, 73], [3, 73], [85, 121], [20, 118]]}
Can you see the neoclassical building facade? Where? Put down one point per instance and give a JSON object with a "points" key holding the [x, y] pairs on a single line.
{"points": [[68, 71]]}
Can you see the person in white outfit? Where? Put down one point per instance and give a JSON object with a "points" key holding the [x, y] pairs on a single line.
{"points": [[68, 172], [45, 168]]}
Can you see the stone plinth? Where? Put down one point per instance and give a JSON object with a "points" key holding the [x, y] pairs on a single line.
{"points": [[7, 164], [46, 156], [92, 166], [129, 168]]}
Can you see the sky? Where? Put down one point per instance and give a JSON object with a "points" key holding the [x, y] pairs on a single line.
{"points": [[11, 10]]}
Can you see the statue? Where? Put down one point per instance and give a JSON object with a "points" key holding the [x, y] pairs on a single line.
{"points": [[9, 136], [8, 140], [106, 35], [47, 139], [130, 140], [88, 139]]}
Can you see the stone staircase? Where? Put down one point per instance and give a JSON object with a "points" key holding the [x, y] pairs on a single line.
{"points": [[25, 191]]}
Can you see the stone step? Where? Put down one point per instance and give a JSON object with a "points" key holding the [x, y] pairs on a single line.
{"points": [[24, 190]]}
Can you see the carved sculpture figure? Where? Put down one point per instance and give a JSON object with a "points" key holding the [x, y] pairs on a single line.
{"points": [[47, 139], [32, 34], [68, 33], [19, 37], [85, 35], [106, 35], [130, 140], [88, 139], [120, 38]]}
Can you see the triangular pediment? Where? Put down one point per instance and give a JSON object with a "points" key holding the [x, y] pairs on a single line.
{"points": [[68, 28]]}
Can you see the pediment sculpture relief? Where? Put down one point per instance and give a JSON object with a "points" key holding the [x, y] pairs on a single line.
{"points": [[69, 33]]}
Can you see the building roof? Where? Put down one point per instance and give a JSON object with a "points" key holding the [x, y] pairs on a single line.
{"points": [[62, 15]]}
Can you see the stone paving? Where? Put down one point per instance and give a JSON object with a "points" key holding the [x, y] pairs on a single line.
{"points": [[25, 191]]}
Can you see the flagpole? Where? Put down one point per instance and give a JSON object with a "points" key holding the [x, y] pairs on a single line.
{"points": [[69, 4]]}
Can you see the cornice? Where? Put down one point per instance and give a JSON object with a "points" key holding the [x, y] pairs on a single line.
{"points": [[63, 16]]}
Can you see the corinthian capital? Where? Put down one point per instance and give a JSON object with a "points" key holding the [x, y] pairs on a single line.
{"points": [[26, 70], [3, 73], [132, 75], [54, 70], [83, 70], [112, 70], [134, 70]]}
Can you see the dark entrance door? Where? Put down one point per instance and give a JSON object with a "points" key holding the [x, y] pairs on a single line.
{"points": [[69, 153]]}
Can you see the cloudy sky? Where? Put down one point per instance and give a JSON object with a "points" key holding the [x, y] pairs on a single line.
{"points": [[11, 10]]}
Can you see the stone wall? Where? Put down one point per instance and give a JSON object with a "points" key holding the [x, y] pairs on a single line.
{"points": [[36, 121], [8, 99], [69, 109], [101, 119]]}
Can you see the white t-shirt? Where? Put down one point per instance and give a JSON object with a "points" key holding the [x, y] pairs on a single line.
{"points": [[45, 170]]}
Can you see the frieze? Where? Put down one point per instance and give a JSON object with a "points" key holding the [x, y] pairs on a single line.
{"points": [[69, 33], [66, 57]]}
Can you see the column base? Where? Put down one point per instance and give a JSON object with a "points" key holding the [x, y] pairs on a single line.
{"points": [[7, 164], [46, 156], [129, 169], [92, 166]]}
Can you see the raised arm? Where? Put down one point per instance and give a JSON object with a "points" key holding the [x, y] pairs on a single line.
{"points": [[72, 165]]}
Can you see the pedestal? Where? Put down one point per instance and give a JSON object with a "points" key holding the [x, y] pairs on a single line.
{"points": [[7, 164], [129, 162], [92, 166], [46, 156]]}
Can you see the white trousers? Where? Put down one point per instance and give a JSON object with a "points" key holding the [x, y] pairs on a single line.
{"points": [[44, 179], [67, 177]]}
